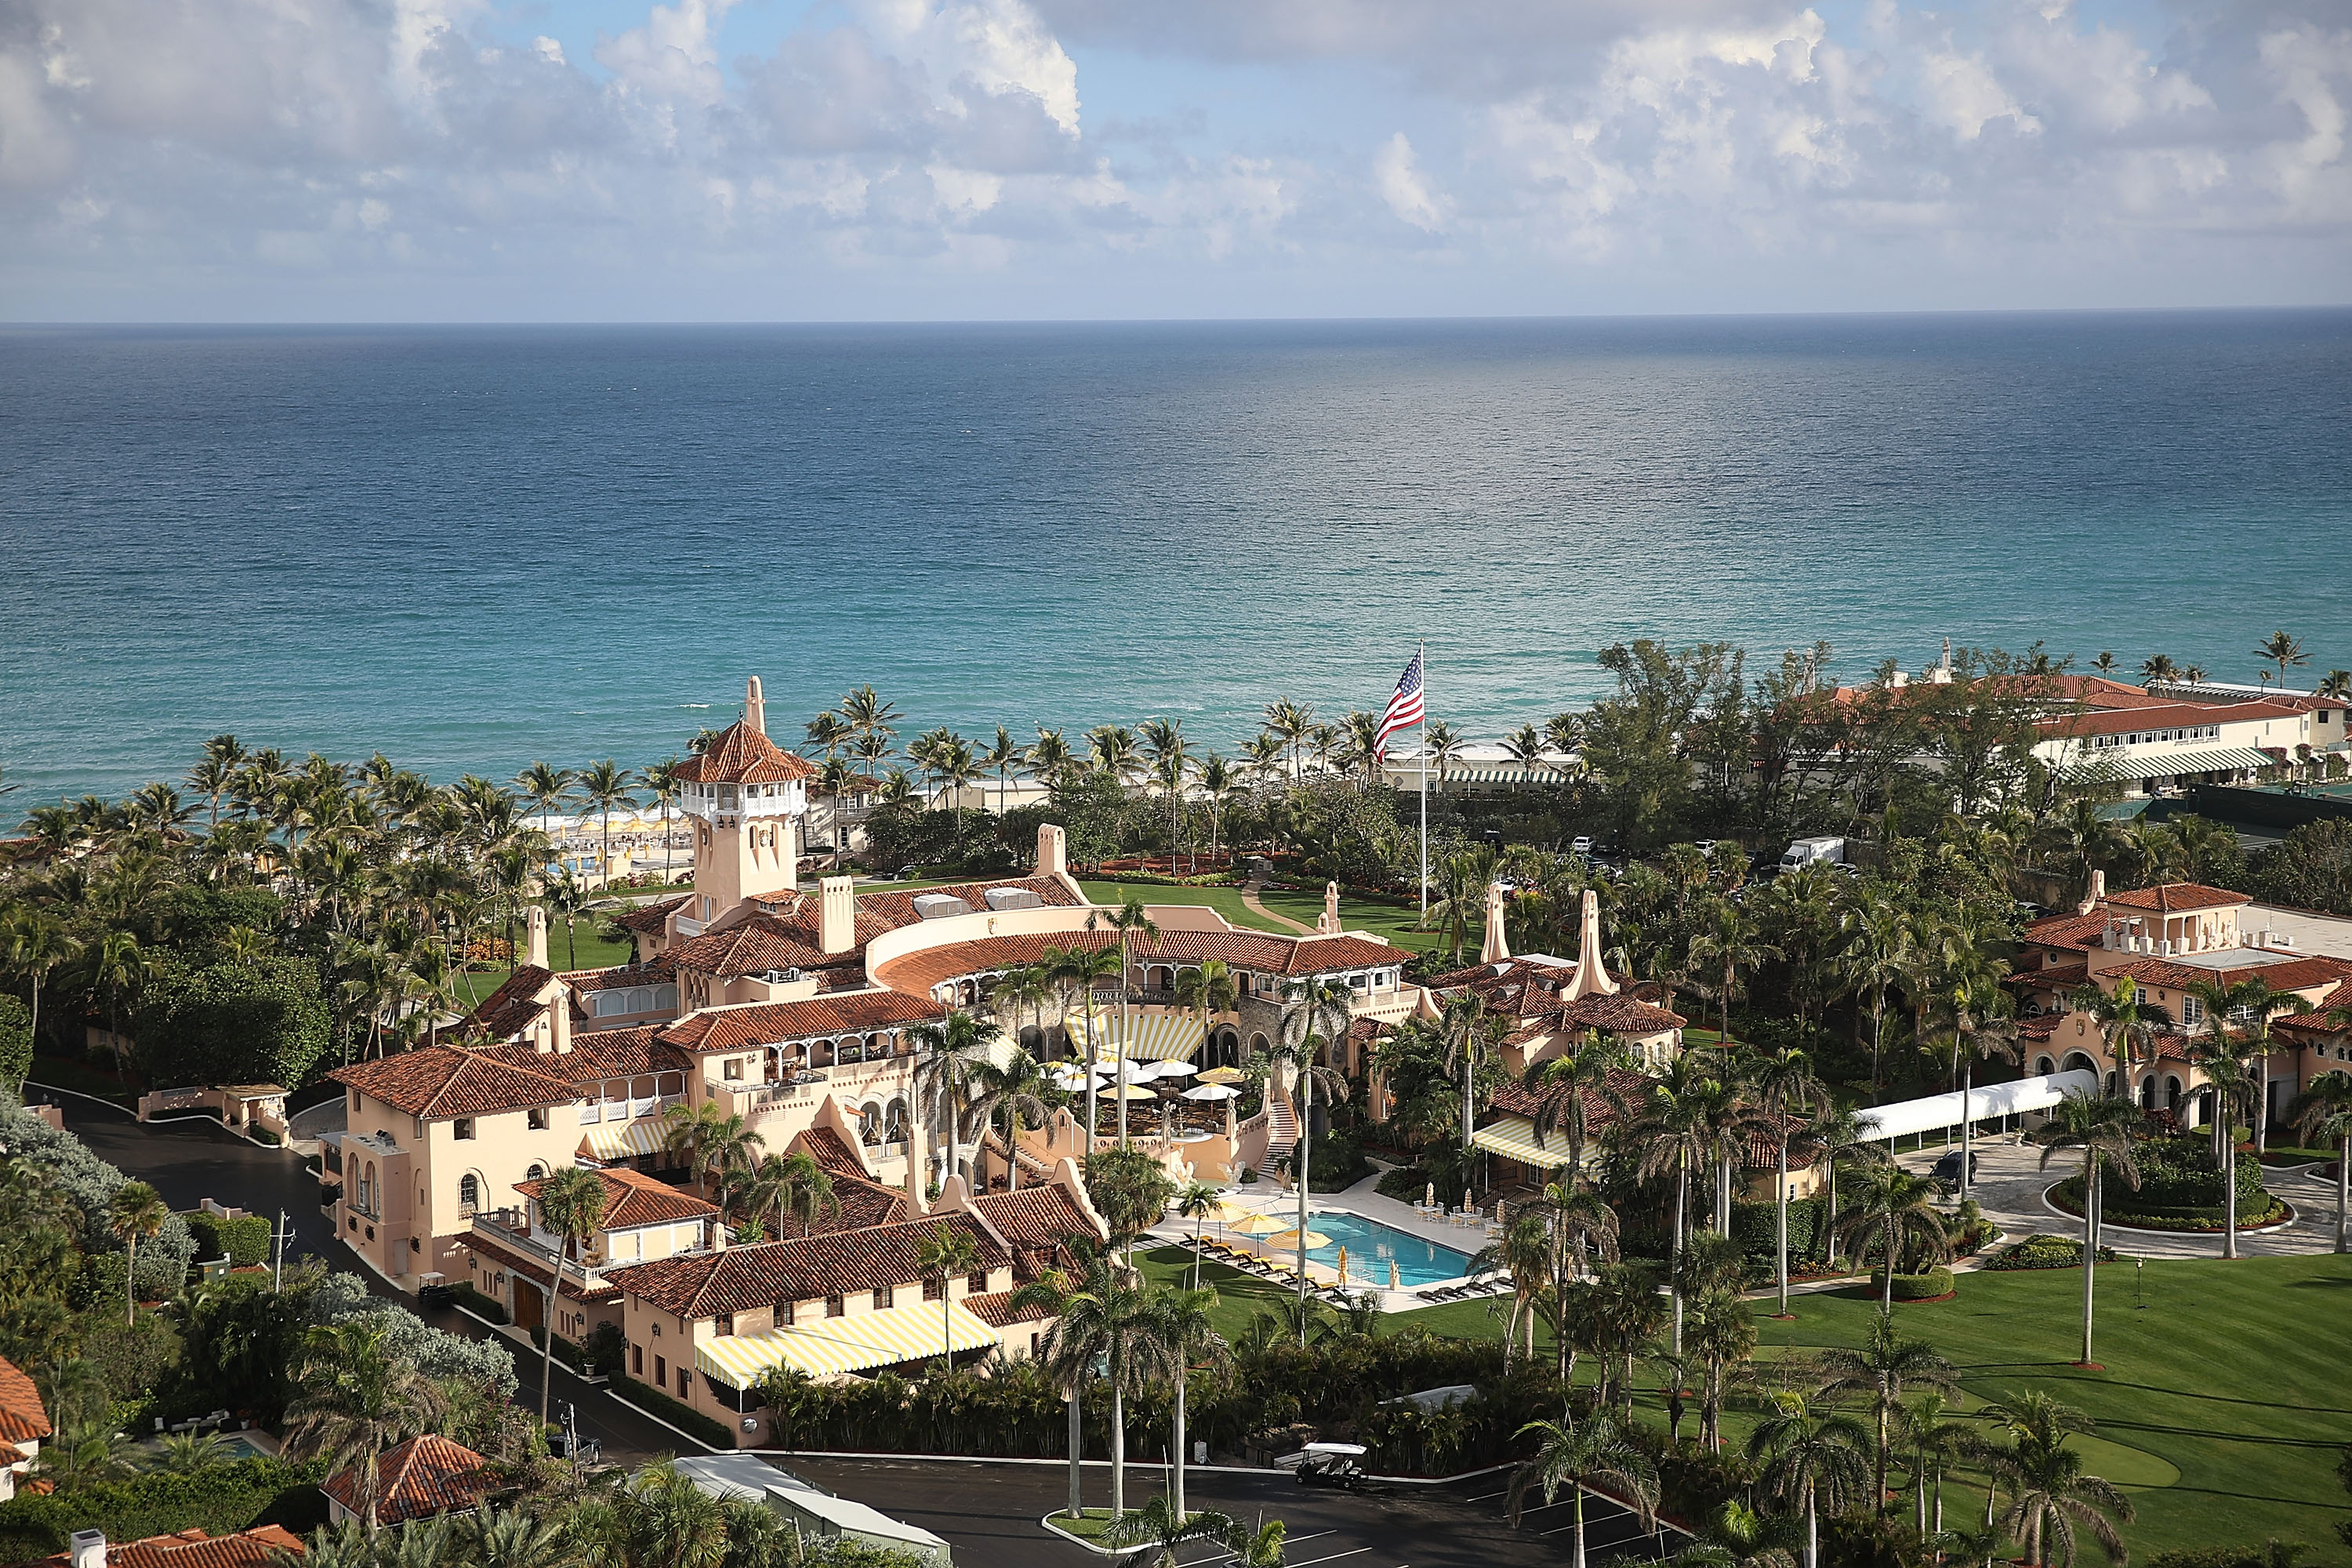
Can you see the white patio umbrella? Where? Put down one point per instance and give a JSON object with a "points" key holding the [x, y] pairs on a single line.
{"points": [[1214, 1091], [1177, 1069]]}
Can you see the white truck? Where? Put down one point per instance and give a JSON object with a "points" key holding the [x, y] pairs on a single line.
{"points": [[1805, 852]]}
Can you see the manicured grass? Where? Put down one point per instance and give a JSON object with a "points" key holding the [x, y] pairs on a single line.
{"points": [[1392, 923], [1240, 1297], [2229, 1374], [1226, 901]]}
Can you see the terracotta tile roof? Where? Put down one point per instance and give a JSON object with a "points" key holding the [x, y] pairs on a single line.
{"points": [[769, 1023], [1037, 1216], [659, 972], [1262, 952], [633, 1198], [997, 1310], [891, 910], [1515, 1100], [2166, 716], [825, 1146], [23, 1417], [2059, 976], [513, 1006], [595, 1058], [2294, 974], [740, 754], [1522, 987], [2317, 1020], [255, 1548], [804, 1268], [2038, 1026], [1620, 1014], [650, 918], [2179, 898], [417, 1479], [860, 1202], [448, 1081], [2075, 932], [512, 1258]]}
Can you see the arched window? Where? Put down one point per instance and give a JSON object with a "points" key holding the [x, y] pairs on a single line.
{"points": [[469, 1194], [537, 1171], [2044, 1066]]}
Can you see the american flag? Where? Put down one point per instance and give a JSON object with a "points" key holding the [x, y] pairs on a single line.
{"points": [[1404, 708]]}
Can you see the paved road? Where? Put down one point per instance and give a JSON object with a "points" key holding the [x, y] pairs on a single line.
{"points": [[188, 1161], [989, 1512]]}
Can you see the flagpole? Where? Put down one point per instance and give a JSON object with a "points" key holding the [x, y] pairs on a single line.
{"points": [[1424, 658]]}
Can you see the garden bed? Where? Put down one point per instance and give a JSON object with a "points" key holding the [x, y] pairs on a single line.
{"points": [[2272, 1214]]}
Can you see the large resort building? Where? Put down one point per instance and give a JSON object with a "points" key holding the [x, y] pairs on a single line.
{"points": [[798, 1009]]}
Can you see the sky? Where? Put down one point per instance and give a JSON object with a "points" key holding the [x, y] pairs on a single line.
{"points": [[765, 160]]}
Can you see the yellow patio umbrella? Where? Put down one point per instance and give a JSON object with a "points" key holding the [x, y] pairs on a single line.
{"points": [[1134, 1091], [1228, 1212], [1221, 1075], [1343, 1263], [1260, 1224], [1289, 1238]]}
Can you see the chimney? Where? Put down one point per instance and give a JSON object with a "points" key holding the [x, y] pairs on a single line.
{"points": [[1328, 922], [1592, 978], [2099, 894], [718, 1234], [86, 1549], [1497, 947], [836, 914], [536, 925], [755, 706], [1052, 851], [559, 1012]]}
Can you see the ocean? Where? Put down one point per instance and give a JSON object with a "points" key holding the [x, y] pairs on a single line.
{"points": [[473, 547]]}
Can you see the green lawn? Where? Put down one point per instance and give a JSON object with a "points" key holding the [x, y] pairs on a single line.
{"points": [[1226, 901], [2223, 1408], [1392, 923], [1240, 1297]]}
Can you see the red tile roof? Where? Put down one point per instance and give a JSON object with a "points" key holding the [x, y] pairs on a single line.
{"points": [[2317, 1020], [596, 1056], [1516, 1100], [2294, 974], [769, 1022], [448, 1081], [650, 918], [1262, 952], [417, 1479], [513, 1006], [2179, 898], [740, 754], [756, 944], [255, 1548], [825, 1146], [512, 1258], [2075, 933], [658, 971], [997, 1310], [2057, 976], [633, 1198], [1037, 1216], [1621, 1016], [2166, 716], [804, 1268], [23, 1418]]}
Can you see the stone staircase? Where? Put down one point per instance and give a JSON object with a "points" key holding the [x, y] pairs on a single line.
{"points": [[1281, 1136]]}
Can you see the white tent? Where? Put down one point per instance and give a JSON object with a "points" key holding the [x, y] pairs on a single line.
{"points": [[1984, 1102]]}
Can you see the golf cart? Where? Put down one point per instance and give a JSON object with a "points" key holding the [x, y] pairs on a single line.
{"points": [[1329, 1465]]}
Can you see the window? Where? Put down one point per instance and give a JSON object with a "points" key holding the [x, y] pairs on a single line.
{"points": [[732, 1069], [833, 1306], [782, 1317], [932, 1289], [2192, 1011], [977, 1284], [685, 1383], [724, 1326], [469, 1196], [661, 1370], [537, 1173], [462, 1129], [537, 1117], [355, 1100], [882, 1300], [637, 1361]]}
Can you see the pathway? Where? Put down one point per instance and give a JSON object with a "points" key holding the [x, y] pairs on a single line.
{"points": [[1250, 901], [2010, 1181]]}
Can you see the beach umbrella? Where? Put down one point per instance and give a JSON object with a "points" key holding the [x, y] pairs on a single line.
{"points": [[1212, 1091], [1260, 1224], [1228, 1212], [1343, 1263], [1177, 1069], [1429, 1196], [1134, 1091], [1315, 1238]]}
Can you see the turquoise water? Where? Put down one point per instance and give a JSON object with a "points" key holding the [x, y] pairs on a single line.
{"points": [[474, 547], [1372, 1246]]}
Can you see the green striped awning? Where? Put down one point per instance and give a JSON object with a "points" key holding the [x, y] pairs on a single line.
{"points": [[1153, 1037]]}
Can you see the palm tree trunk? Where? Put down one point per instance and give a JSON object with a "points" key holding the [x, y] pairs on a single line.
{"points": [[1176, 1483], [2090, 1248], [2229, 1185], [1578, 1559], [1812, 1529], [1784, 1225], [1888, 1304], [1682, 1192], [1118, 1452], [547, 1362], [1298, 1160], [1077, 1450], [130, 1281]]}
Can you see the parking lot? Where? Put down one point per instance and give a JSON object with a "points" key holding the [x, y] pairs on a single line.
{"points": [[990, 1512]]}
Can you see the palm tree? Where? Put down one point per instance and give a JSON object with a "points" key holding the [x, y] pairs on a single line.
{"points": [[1899, 1207], [357, 1399], [119, 964], [1937, 1446], [2049, 1494], [603, 786], [1049, 756], [2122, 1020], [1164, 1526], [1081, 969], [1525, 746], [2335, 684], [1569, 1088], [1580, 1454], [795, 1186], [2102, 1128], [1675, 1135], [1738, 1536], [1105, 1318], [1976, 1021], [1811, 1455], [1197, 1201], [1211, 989], [572, 1209], [134, 1214], [712, 1139], [1784, 1083], [942, 1254], [1462, 882], [867, 714], [1016, 1087], [1001, 757], [663, 782], [1729, 942], [1880, 1369], [2323, 1109], [1877, 957], [2158, 669], [1217, 780], [2233, 1090], [546, 787], [1131, 922], [827, 733], [1290, 724], [1316, 1013], [2284, 649], [33, 942], [1164, 739], [2246, 1006], [1185, 1323], [949, 1055]]}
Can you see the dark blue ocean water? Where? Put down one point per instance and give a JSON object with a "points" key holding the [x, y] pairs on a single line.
{"points": [[472, 547]]}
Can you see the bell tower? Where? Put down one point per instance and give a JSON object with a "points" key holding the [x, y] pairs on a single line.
{"points": [[745, 796]]}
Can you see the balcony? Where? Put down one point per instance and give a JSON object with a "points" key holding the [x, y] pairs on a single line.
{"points": [[687, 925], [597, 1110]]}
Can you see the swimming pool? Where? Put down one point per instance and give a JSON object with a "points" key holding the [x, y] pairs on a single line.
{"points": [[1372, 1246]]}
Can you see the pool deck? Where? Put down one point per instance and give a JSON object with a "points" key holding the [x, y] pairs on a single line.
{"points": [[1360, 1199]]}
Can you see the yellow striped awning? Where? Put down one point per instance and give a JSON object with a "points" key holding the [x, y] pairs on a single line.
{"points": [[1513, 1138], [857, 1342], [1155, 1036], [620, 1139]]}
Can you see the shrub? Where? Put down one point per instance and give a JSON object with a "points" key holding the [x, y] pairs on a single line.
{"points": [[2226, 1556], [261, 1022], [566, 1351], [1756, 1227], [409, 1336], [683, 1417], [2047, 1252], [1927, 1287], [604, 1348], [15, 1042], [88, 1183], [474, 1301], [1336, 1161], [219, 1502]]}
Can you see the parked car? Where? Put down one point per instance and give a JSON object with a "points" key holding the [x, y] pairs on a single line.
{"points": [[1581, 845], [1946, 1170]]}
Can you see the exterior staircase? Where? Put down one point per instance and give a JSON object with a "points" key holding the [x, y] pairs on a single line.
{"points": [[1281, 1135]]}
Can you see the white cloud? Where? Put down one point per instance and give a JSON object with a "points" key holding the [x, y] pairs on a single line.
{"points": [[1398, 177]]}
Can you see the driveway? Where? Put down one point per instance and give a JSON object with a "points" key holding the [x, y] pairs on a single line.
{"points": [[2010, 1181]]}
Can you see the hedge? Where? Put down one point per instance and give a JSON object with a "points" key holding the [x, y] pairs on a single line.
{"points": [[474, 1301], [218, 1501], [1927, 1287], [1756, 1227], [2047, 1252], [243, 1241], [685, 1417]]}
